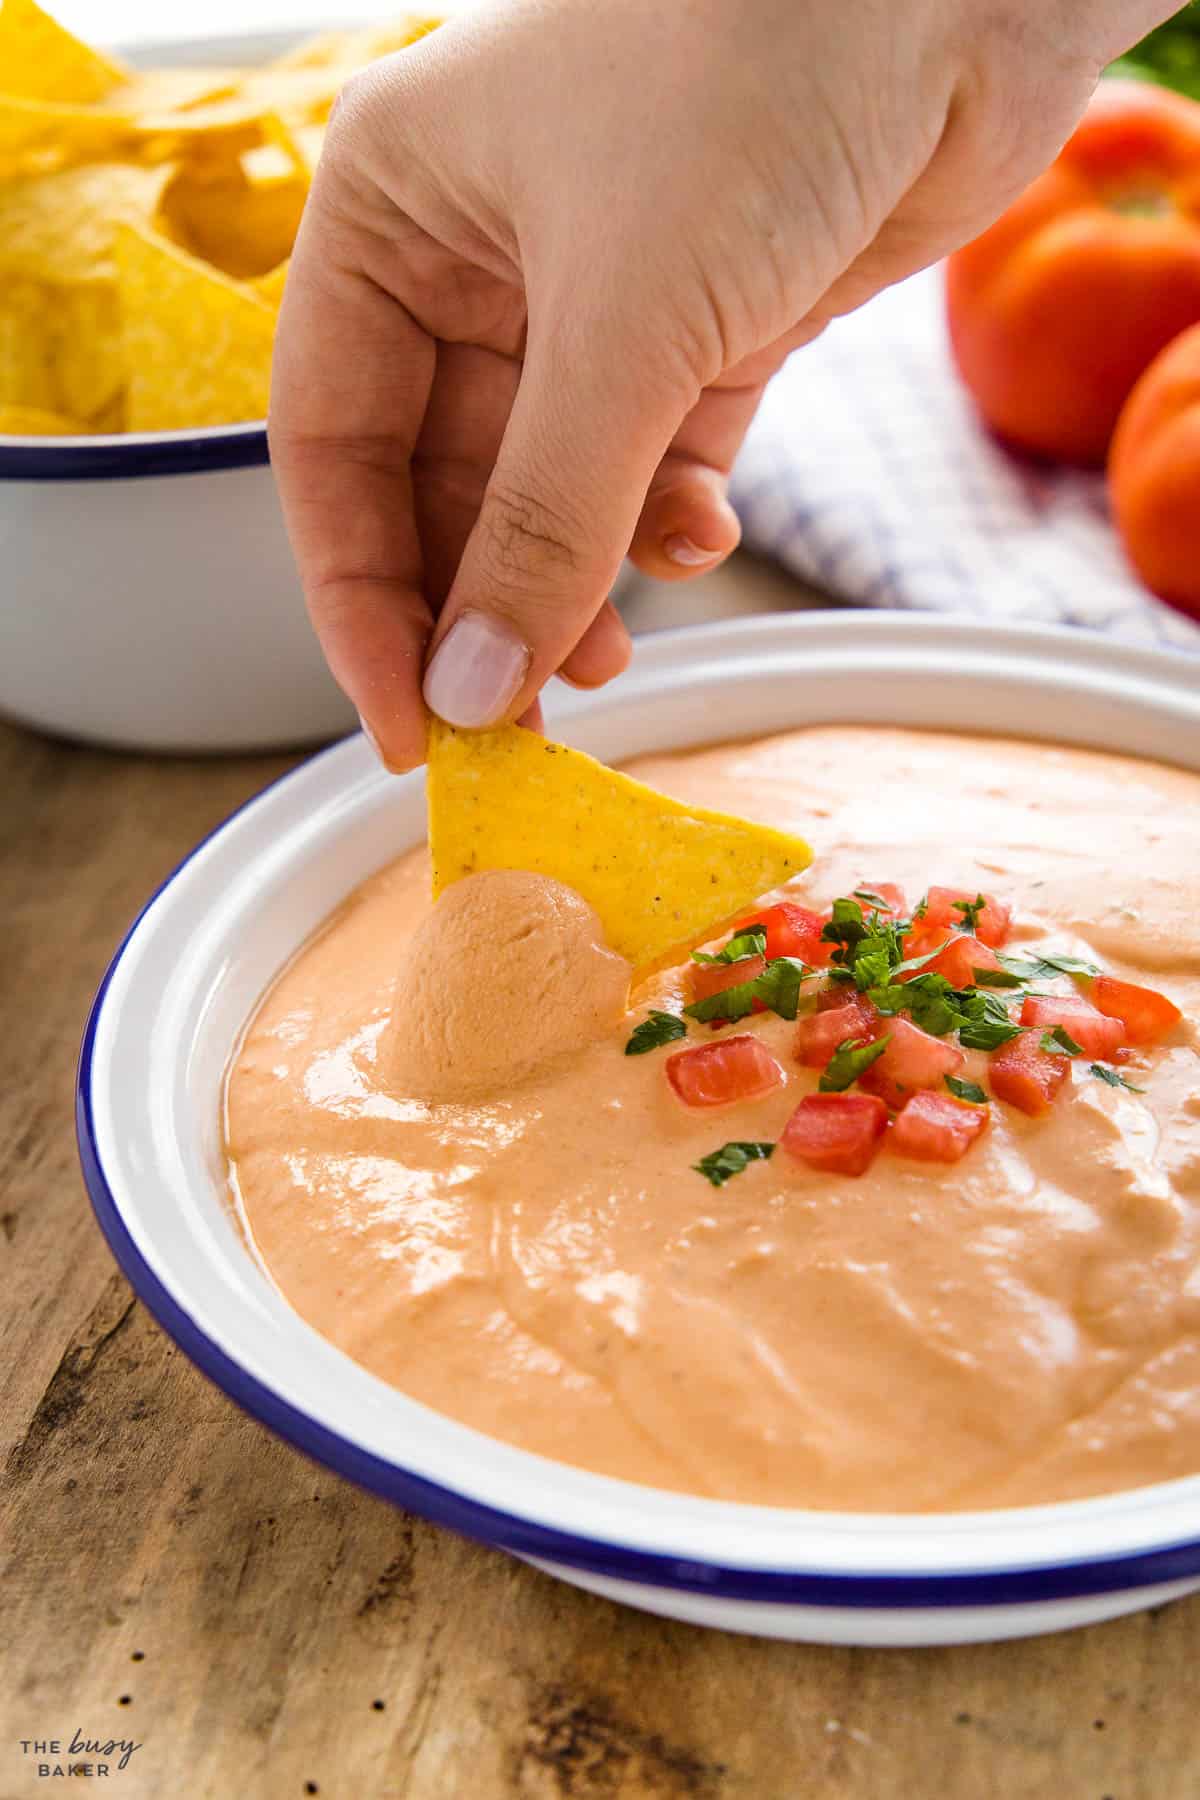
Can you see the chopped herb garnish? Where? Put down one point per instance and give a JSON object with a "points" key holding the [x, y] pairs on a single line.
{"points": [[966, 1090], [919, 962], [1040, 967], [849, 1061], [970, 910], [921, 908], [1113, 1077], [988, 1022], [873, 899], [658, 1028], [778, 988], [719, 1166], [752, 942], [1059, 1042], [999, 978]]}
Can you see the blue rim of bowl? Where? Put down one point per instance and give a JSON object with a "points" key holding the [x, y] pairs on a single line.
{"points": [[133, 455], [1022, 1583]]}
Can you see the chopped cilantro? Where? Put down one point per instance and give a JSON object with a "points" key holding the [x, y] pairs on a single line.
{"points": [[778, 987], [988, 1023], [966, 1090], [970, 910], [1041, 967], [919, 962], [658, 1028], [719, 1166], [873, 899], [1059, 1042], [752, 942], [921, 908], [1000, 978], [1113, 1077], [849, 1061]]}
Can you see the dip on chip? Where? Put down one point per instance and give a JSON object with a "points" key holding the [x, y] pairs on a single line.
{"points": [[205, 169]]}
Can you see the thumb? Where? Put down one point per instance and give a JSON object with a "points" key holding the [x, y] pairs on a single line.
{"points": [[588, 428]]}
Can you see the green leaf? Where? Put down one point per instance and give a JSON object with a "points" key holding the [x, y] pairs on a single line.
{"points": [[1113, 1077], [752, 942], [872, 899], [778, 987], [1059, 1042], [988, 1032], [720, 1166], [970, 910], [658, 1028], [997, 978], [966, 1090], [849, 1061], [1039, 966], [919, 962]]}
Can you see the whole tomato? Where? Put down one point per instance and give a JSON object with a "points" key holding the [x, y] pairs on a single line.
{"points": [[1055, 311], [1154, 474]]}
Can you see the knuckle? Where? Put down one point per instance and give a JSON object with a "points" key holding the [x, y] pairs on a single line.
{"points": [[527, 541]]}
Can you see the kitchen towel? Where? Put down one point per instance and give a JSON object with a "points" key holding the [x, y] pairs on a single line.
{"points": [[868, 472]]}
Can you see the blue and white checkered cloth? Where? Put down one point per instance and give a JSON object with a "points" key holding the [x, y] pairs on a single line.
{"points": [[868, 473]]}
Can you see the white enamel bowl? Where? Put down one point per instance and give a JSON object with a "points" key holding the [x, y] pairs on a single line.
{"points": [[189, 973], [149, 596]]}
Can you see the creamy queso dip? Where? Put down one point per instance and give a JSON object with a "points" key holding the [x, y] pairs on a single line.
{"points": [[545, 1265]]}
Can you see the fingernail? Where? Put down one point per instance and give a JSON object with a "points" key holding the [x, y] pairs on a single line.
{"points": [[681, 549], [476, 672]]}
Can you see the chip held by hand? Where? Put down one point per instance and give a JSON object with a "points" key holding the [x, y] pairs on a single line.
{"points": [[662, 876]]}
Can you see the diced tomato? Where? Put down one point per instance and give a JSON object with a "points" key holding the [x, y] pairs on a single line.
{"points": [[914, 1059], [994, 917], [819, 1034], [713, 978], [732, 1068], [937, 1128], [1095, 1035], [958, 961], [834, 994], [1146, 1014], [839, 1133], [1027, 1076], [896, 906], [793, 931]]}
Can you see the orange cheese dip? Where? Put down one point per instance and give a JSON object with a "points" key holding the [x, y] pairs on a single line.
{"points": [[542, 1261]]}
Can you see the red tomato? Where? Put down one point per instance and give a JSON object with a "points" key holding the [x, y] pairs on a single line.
{"points": [[1095, 1035], [819, 1034], [732, 1068], [1154, 474], [937, 1128], [958, 961], [1056, 310], [839, 1133], [705, 979], [1026, 1076], [1145, 1014], [793, 931], [897, 905], [914, 1059], [942, 914]]}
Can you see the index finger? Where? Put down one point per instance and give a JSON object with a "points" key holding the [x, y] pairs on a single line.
{"points": [[351, 381]]}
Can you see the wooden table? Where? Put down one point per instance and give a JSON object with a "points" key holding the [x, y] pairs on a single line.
{"points": [[173, 1575]]}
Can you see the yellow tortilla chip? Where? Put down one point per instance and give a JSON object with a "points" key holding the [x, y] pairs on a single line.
{"points": [[351, 49], [197, 346], [30, 421], [662, 876], [89, 358], [41, 61], [269, 287], [60, 227], [27, 347], [241, 213]]}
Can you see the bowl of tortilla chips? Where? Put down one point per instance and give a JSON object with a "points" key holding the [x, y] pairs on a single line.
{"points": [[147, 212]]}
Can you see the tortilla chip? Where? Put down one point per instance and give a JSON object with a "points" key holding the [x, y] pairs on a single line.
{"points": [[27, 347], [197, 346], [30, 421], [352, 49], [89, 357], [662, 876], [269, 287], [41, 61], [60, 227], [240, 214]]}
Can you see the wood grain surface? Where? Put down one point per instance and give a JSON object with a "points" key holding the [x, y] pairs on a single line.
{"points": [[173, 1576]]}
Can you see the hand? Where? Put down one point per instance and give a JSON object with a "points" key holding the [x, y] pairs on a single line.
{"points": [[552, 254]]}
